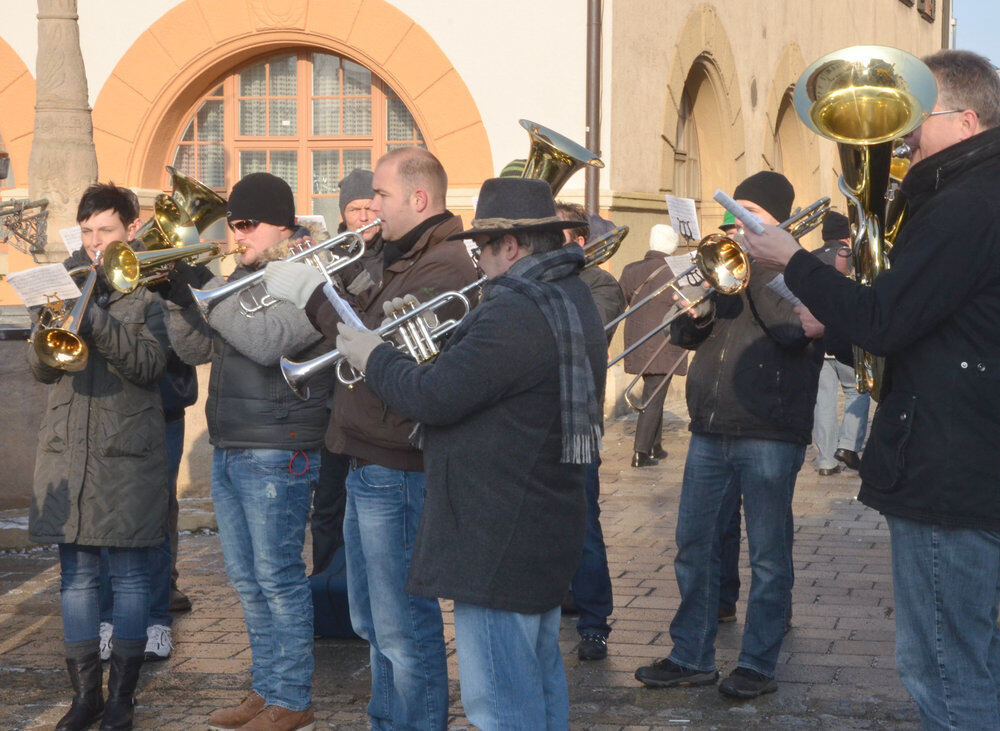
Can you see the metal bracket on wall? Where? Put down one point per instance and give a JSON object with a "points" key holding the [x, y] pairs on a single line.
{"points": [[26, 221]]}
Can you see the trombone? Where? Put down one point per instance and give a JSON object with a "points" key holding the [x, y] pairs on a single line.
{"points": [[418, 338], [724, 264], [351, 242], [56, 340]]}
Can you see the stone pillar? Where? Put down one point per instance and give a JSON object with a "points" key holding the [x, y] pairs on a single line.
{"points": [[63, 161]]}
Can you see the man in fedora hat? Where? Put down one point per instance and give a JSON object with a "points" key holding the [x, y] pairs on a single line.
{"points": [[511, 416]]}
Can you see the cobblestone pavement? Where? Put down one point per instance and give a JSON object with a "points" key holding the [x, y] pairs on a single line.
{"points": [[835, 671]]}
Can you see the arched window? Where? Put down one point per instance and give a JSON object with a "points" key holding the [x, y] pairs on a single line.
{"points": [[308, 117], [687, 172]]}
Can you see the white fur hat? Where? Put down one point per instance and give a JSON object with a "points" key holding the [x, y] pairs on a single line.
{"points": [[663, 238]]}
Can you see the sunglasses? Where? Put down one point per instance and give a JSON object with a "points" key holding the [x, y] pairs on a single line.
{"points": [[245, 226]]}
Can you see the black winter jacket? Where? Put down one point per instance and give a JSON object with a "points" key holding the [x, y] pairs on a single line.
{"points": [[932, 455], [754, 371]]}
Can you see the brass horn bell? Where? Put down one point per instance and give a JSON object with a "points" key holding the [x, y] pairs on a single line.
{"points": [[553, 157]]}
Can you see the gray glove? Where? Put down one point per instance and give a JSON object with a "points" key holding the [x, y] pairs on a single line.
{"points": [[394, 307], [360, 283], [692, 293], [356, 345], [292, 281]]}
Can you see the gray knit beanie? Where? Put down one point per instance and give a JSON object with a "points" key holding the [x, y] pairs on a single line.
{"points": [[356, 185]]}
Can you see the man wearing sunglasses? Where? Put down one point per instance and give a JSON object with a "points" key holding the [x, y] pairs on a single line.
{"points": [[931, 463], [265, 462], [385, 485]]}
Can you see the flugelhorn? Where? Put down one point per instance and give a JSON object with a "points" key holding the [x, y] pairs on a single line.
{"points": [[864, 98], [126, 269], [56, 340], [723, 263], [415, 335], [321, 255]]}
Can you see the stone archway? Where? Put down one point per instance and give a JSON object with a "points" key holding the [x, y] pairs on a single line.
{"points": [[141, 106], [17, 100], [704, 67]]}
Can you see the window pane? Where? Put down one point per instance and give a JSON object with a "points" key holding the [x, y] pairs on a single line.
{"points": [[329, 209], [212, 165], [188, 135], [217, 91], [357, 79], [325, 171], [283, 76], [252, 161], [284, 164], [358, 116], [252, 117], [252, 80], [283, 118], [184, 160], [400, 124], [354, 159], [326, 80], [210, 121], [326, 116]]}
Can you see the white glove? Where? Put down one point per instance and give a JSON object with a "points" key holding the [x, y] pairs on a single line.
{"points": [[356, 345], [292, 281], [393, 308], [360, 283]]}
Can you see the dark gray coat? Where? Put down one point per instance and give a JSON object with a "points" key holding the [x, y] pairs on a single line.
{"points": [[637, 283], [101, 467], [504, 520]]}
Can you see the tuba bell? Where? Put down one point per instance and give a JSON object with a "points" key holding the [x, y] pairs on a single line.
{"points": [[554, 158], [864, 98]]}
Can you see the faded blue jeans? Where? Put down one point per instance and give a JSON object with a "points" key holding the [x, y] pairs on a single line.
{"points": [[946, 583], [261, 499], [405, 631], [828, 435], [510, 669], [592, 583], [717, 471]]}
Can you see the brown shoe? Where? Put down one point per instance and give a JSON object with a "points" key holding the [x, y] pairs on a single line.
{"points": [[276, 718], [229, 718]]}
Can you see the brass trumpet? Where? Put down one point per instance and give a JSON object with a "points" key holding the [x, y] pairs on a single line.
{"points": [[350, 243], [723, 263], [416, 336], [56, 339]]}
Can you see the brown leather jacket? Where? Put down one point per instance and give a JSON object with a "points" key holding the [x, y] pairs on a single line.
{"points": [[361, 426]]}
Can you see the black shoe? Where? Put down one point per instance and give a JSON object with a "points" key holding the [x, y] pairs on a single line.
{"points": [[122, 679], [593, 646], [727, 614], [641, 459], [827, 471], [848, 457], [668, 674], [658, 452], [179, 601], [88, 704], [747, 683]]}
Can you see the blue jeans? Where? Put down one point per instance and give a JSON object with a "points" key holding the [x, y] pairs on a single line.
{"points": [[591, 583], [129, 571], [261, 499], [160, 557], [717, 471], [406, 634], [946, 583], [850, 433], [729, 561], [510, 669]]}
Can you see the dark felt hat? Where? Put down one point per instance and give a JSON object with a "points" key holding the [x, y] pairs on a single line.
{"points": [[769, 190], [512, 205], [836, 226], [262, 197]]}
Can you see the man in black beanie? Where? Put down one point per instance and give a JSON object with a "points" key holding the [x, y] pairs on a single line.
{"points": [[751, 387]]}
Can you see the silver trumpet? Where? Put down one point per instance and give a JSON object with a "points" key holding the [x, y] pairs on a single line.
{"points": [[408, 326], [352, 243]]}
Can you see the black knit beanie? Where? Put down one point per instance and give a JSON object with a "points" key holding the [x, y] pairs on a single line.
{"points": [[771, 191], [262, 197], [356, 185], [836, 227]]}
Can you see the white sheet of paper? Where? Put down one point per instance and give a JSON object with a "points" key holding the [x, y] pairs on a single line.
{"points": [[343, 309], [749, 220], [72, 238], [680, 263], [684, 217], [778, 286], [32, 285]]}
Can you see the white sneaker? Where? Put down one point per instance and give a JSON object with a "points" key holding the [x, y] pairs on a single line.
{"points": [[159, 642], [105, 633]]}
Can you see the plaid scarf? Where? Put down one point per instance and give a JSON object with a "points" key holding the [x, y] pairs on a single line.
{"points": [[582, 422]]}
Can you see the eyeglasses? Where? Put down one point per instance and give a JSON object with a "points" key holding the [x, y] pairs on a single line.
{"points": [[245, 226], [945, 111]]}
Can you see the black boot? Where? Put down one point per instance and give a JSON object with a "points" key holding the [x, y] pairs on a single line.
{"points": [[122, 679], [88, 704]]}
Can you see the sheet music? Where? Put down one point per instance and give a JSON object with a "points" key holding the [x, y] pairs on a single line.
{"points": [[42, 284], [749, 220], [72, 237], [343, 309], [683, 217], [778, 286]]}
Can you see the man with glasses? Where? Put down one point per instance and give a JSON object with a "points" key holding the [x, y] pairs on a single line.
{"points": [[266, 458], [385, 485], [931, 464]]}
